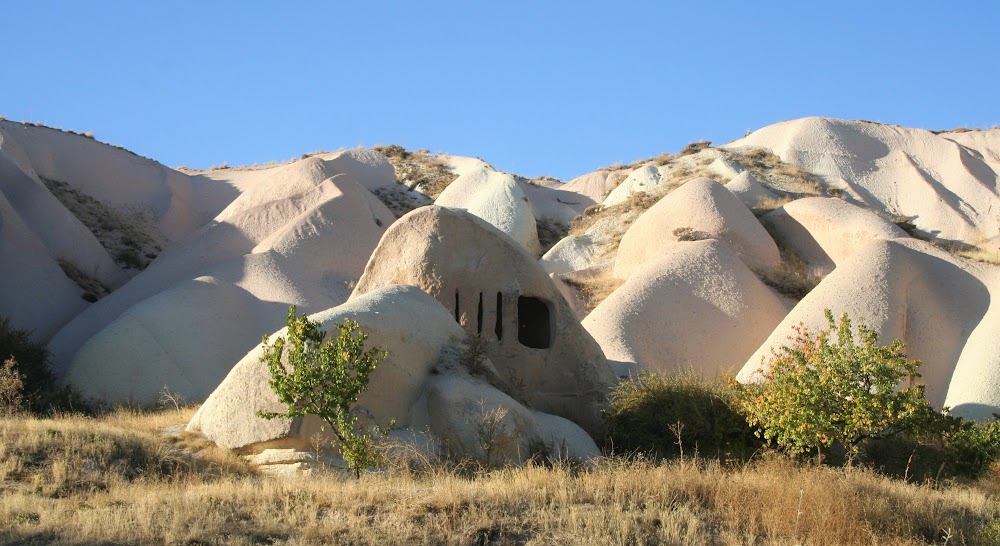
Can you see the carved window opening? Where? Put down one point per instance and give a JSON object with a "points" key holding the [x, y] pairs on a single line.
{"points": [[479, 316], [498, 329], [534, 323]]}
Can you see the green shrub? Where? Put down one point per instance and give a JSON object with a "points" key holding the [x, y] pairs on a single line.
{"points": [[952, 448], [822, 393], [665, 415], [326, 380]]}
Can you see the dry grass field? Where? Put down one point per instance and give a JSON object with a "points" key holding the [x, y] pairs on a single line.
{"points": [[116, 479]]}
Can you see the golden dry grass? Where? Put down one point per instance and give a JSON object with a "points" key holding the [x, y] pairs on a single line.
{"points": [[115, 480], [620, 216], [980, 255], [419, 170], [593, 289]]}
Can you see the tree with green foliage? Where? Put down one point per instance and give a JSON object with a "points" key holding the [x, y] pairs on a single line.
{"points": [[835, 388], [326, 380]]}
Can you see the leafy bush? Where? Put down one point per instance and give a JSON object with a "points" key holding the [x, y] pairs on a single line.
{"points": [[820, 392], [667, 415], [326, 381], [953, 447], [973, 447]]}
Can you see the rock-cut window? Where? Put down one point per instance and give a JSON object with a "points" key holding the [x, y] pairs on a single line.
{"points": [[534, 323]]}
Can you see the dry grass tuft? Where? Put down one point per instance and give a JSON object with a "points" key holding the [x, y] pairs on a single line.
{"points": [[93, 290], [792, 278], [593, 289], [664, 158], [550, 232], [419, 170], [115, 480], [983, 256], [626, 212], [400, 200], [777, 175], [130, 238], [769, 204]]}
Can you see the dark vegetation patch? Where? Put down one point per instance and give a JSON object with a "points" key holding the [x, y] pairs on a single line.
{"points": [[128, 238], [38, 390]]}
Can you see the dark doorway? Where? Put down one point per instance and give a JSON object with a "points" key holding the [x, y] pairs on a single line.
{"points": [[534, 324]]}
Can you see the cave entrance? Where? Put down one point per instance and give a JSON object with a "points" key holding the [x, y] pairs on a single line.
{"points": [[534, 323]]}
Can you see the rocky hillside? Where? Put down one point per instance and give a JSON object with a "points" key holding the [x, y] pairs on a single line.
{"points": [[140, 277]]}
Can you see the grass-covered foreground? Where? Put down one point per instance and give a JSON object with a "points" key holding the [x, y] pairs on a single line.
{"points": [[115, 479]]}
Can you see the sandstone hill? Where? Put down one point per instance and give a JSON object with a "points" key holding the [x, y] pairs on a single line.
{"points": [[141, 277]]}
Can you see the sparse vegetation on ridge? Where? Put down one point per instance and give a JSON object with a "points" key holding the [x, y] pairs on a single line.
{"points": [[607, 225], [130, 239], [85, 134], [418, 170]]}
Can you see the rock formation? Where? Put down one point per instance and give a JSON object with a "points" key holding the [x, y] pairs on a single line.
{"points": [[424, 385], [700, 209], [696, 307], [497, 291]]}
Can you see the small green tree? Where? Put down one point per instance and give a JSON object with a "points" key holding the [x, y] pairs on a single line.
{"points": [[821, 391], [326, 380]]}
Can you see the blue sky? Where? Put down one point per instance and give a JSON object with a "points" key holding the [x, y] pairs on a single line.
{"points": [[537, 88]]}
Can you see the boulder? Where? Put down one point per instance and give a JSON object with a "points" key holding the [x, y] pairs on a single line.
{"points": [[554, 204], [595, 186], [460, 409], [825, 232], [646, 179], [749, 190], [368, 167], [182, 339], [424, 385], [571, 253], [498, 199], [496, 290], [700, 209], [695, 307], [408, 324]]}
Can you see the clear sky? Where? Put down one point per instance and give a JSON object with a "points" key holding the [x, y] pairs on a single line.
{"points": [[537, 88]]}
